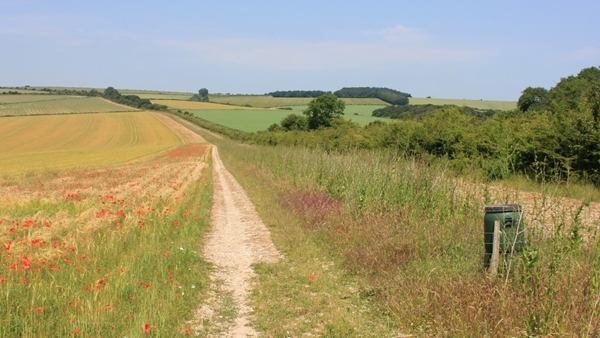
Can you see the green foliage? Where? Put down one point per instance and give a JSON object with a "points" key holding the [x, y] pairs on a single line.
{"points": [[390, 96], [571, 92], [202, 96], [323, 110], [420, 111], [532, 98], [131, 100], [294, 122]]}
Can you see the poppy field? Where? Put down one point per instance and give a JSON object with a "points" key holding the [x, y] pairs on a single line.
{"points": [[107, 250]]}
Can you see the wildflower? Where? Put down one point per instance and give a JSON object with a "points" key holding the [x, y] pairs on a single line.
{"points": [[37, 309], [188, 332], [147, 328], [23, 280], [121, 270], [109, 307], [312, 276], [2, 280]]}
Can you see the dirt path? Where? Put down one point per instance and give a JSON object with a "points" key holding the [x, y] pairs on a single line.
{"points": [[238, 239]]}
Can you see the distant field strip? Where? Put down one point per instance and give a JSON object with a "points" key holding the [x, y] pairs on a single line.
{"points": [[146, 94], [479, 104], [66, 106], [256, 120], [32, 98], [62, 141], [196, 105], [269, 101], [163, 96]]}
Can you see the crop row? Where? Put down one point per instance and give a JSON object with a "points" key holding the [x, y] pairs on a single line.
{"points": [[64, 106]]}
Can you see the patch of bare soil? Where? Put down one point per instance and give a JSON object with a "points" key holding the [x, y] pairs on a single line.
{"points": [[237, 240]]}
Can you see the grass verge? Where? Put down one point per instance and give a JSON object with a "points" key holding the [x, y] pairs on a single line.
{"points": [[377, 243]]}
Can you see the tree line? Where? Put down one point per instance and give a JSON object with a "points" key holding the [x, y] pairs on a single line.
{"points": [[388, 95], [298, 93], [131, 100]]}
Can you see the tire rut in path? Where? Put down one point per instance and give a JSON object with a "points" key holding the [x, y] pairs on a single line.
{"points": [[237, 240]]}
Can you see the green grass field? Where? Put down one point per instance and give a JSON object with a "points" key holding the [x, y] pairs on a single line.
{"points": [[480, 104], [61, 106], [256, 120]]}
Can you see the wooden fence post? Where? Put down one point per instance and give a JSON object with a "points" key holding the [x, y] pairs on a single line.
{"points": [[495, 249]]}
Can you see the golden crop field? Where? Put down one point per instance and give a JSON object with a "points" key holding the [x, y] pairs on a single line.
{"points": [[61, 106], [196, 105], [31, 143]]}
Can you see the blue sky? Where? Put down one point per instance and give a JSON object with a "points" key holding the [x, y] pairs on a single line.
{"points": [[444, 49]]}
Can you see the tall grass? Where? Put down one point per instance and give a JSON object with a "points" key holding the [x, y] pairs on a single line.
{"points": [[414, 238]]}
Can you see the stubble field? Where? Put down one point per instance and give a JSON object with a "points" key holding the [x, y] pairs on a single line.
{"points": [[53, 106], [52, 142]]}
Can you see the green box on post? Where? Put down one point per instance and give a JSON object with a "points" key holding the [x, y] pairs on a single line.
{"points": [[512, 229]]}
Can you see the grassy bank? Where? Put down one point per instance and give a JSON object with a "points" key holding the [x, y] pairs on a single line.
{"points": [[405, 241]]}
